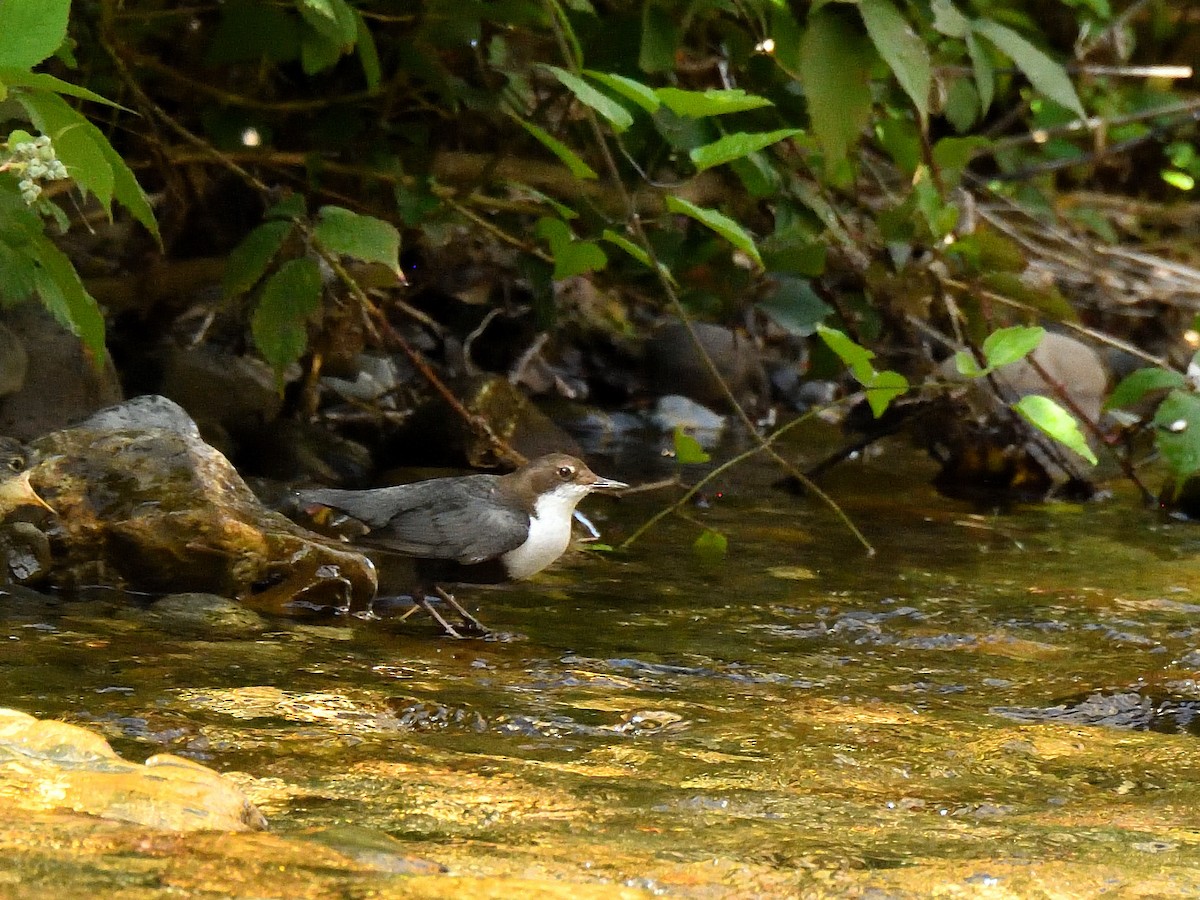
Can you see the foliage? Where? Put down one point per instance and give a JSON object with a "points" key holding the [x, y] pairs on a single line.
{"points": [[288, 287], [796, 158], [1176, 418], [68, 147]]}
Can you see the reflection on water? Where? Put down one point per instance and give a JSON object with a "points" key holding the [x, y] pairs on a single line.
{"points": [[985, 693]]}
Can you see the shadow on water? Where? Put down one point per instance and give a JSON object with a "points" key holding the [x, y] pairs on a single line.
{"points": [[987, 693]]}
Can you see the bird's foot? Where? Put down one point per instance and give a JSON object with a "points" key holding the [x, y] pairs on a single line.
{"points": [[472, 625]]}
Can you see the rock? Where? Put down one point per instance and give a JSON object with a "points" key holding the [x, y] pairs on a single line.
{"points": [[62, 383], [1069, 364], [436, 432], [673, 411], [14, 362], [224, 393], [143, 503], [48, 766], [676, 366], [207, 616], [988, 452]]}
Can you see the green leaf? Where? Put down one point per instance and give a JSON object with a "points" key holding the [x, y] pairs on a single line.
{"points": [[631, 90], [318, 53], [1178, 432], [89, 157], [948, 20], [1047, 76], [63, 294], [967, 366], [365, 238], [718, 222], [1047, 416], [571, 257], [290, 207], [688, 450], [985, 76], [835, 69], [794, 305], [660, 39], [1000, 348], [711, 545], [1007, 345], [32, 30], [43, 82], [962, 104], [1176, 179], [77, 142], [1136, 385], [250, 259], [857, 359], [334, 20], [578, 258], [901, 49], [883, 388], [289, 298], [713, 102], [614, 113], [735, 146], [18, 274], [628, 246], [578, 167], [368, 53]]}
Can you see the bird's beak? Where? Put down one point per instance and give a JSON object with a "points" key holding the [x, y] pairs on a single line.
{"points": [[19, 492], [602, 484]]}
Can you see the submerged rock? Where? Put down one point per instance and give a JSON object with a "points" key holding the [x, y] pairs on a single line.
{"points": [[47, 766], [143, 503]]}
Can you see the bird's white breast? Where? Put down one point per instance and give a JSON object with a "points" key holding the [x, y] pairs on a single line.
{"points": [[549, 532]]}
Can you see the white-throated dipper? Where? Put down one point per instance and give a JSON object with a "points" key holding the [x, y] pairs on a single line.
{"points": [[479, 529], [15, 489]]}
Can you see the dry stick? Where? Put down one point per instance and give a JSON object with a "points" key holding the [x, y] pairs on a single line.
{"points": [[371, 309], [634, 221]]}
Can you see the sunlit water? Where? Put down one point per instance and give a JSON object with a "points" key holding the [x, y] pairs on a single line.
{"points": [[797, 717]]}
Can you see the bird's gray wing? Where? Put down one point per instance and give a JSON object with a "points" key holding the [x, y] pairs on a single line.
{"points": [[462, 520]]}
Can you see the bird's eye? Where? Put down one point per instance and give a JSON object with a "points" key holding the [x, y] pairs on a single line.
{"points": [[566, 473], [16, 464]]}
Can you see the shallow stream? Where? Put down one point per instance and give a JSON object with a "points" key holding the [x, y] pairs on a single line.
{"points": [[992, 705]]}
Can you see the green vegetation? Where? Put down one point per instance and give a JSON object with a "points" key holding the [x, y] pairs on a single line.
{"points": [[846, 168]]}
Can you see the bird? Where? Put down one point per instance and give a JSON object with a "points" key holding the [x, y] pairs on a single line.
{"points": [[475, 529], [15, 489]]}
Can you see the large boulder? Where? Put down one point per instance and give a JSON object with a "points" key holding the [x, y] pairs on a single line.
{"points": [[142, 502]]}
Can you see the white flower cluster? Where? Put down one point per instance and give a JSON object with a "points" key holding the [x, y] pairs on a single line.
{"points": [[36, 161]]}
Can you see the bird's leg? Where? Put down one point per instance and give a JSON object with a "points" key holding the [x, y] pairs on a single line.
{"points": [[469, 620], [424, 604]]}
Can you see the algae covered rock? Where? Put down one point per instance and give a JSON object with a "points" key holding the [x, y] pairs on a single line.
{"points": [[143, 503]]}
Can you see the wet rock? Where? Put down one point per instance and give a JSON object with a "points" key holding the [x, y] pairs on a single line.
{"points": [[62, 384], [143, 503], [508, 412], [226, 394], [206, 615], [14, 362], [673, 411], [989, 453], [676, 366], [1069, 365], [48, 766], [373, 848]]}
